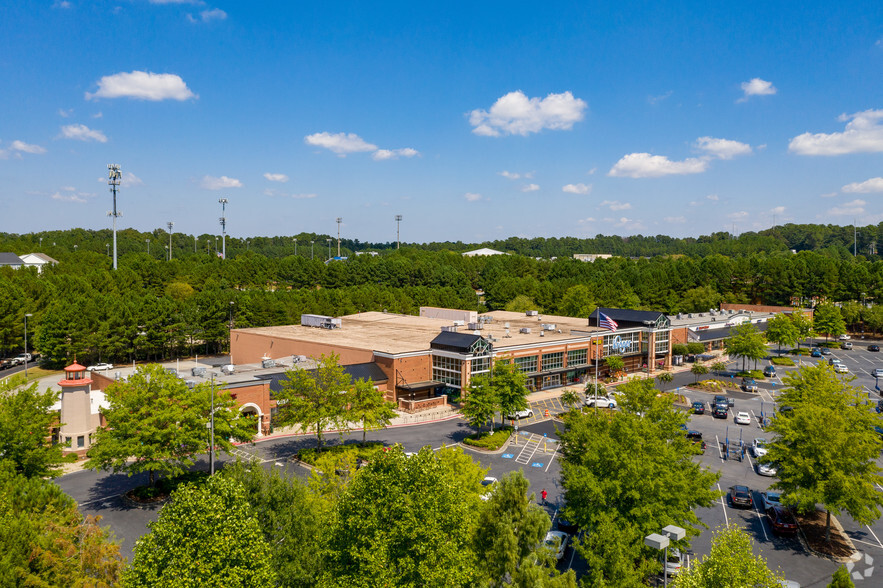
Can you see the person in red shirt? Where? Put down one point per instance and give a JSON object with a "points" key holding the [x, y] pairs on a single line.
{"points": [[544, 494]]}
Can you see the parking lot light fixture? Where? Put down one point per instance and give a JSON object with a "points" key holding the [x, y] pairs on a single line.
{"points": [[661, 542], [26, 344]]}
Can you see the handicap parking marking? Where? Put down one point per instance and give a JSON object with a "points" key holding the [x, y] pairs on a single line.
{"points": [[537, 464], [508, 456]]}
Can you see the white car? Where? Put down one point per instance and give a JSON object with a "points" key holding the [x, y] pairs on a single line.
{"points": [[766, 469], [601, 401], [844, 337], [841, 368], [674, 563], [521, 414], [487, 486], [743, 418], [759, 447], [770, 499], [100, 367], [556, 540]]}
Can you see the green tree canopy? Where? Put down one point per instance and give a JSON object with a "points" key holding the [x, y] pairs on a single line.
{"points": [[26, 420], [314, 399], [782, 331], [730, 564], [509, 385], [157, 424], [747, 342], [206, 536], [366, 405], [828, 321], [480, 402], [826, 448]]}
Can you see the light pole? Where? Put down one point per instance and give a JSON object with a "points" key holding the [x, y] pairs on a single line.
{"points": [[657, 541], [168, 253], [329, 247], [148, 246], [170, 224], [339, 219], [295, 247], [107, 249], [311, 249], [211, 449], [113, 180], [398, 223], [75, 247], [194, 243], [27, 314], [223, 220]]}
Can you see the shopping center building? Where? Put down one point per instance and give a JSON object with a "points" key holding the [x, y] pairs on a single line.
{"points": [[422, 357]]}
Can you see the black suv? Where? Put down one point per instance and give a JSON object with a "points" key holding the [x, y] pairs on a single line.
{"points": [[698, 407], [696, 438], [741, 496], [720, 411]]}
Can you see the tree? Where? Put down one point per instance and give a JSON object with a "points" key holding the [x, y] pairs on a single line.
{"points": [[207, 536], [718, 367], [781, 330], [730, 564], [746, 342], [509, 385], [577, 301], [607, 458], [841, 579], [480, 402], [828, 321], [698, 370], [314, 398], [826, 447], [291, 518], [570, 399], [26, 422], [510, 528], [47, 542], [695, 348], [421, 536], [615, 364], [156, 424], [367, 405]]}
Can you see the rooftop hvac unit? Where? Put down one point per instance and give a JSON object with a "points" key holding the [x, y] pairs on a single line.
{"points": [[690, 315], [679, 316], [524, 330], [549, 326], [459, 323], [532, 313], [190, 383], [506, 325], [268, 363], [542, 333], [475, 326], [321, 321], [449, 329], [507, 335], [227, 369], [197, 371], [172, 371]]}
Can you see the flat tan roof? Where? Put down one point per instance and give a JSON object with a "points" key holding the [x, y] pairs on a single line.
{"points": [[397, 333]]}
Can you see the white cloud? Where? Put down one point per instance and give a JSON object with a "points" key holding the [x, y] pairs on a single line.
{"points": [[65, 113], [713, 197], [866, 187], [70, 194], [516, 114], [27, 148], [616, 205], [828, 195], [61, 4], [510, 175], [738, 216], [208, 15], [629, 224], [577, 188], [382, 154], [660, 98], [276, 177], [340, 143], [722, 148], [82, 133], [863, 134], [213, 183], [644, 165], [129, 179], [586, 220], [757, 87], [675, 220], [853, 208], [472, 197], [143, 86], [777, 210], [97, 115], [530, 188]]}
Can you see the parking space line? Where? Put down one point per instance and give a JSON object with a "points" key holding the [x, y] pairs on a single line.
{"points": [[854, 540], [718, 443], [762, 526], [871, 531], [551, 459], [108, 497], [724, 506]]}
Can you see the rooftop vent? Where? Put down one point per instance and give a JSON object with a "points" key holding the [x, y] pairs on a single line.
{"points": [[532, 313], [524, 330]]}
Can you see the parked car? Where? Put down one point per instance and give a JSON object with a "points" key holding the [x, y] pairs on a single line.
{"points": [[719, 399], [877, 373], [521, 414], [557, 541], [815, 353], [841, 368], [100, 367], [749, 385], [759, 446], [873, 348], [696, 438], [5, 364], [834, 361], [847, 345], [698, 407], [786, 410], [879, 406], [487, 487], [720, 411], [601, 401], [743, 418], [770, 499], [826, 351], [781, 520], [741, 496], [844, 337], [769, 371], [675, 562], [767, 469]]}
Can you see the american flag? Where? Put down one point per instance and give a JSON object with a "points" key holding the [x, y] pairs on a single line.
{"points": [[605, 322]]}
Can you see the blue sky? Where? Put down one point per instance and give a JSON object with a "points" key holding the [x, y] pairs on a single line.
{"points": [[473, 120]]}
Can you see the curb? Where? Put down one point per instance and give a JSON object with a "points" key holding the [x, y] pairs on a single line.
{"points": [[835, 523]]}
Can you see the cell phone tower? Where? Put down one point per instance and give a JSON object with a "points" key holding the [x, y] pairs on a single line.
{"points": [[223, 220], [113, 180]]}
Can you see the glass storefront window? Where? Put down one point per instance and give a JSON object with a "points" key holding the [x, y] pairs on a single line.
{"points": [[527, 365], [553, 361], [577, 357]]}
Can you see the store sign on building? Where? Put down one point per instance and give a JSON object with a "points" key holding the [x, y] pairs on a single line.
{"points": [[617, 345]]}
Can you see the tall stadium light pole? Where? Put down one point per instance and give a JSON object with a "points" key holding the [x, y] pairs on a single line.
{"points": [[223, 220], [113, 180], [170, 224], [398, 239], [339, 219], [329, 247]]}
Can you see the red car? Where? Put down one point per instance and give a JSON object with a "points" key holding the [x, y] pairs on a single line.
{"points": [[781, 520]]}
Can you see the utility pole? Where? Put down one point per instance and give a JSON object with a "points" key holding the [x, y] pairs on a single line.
{"points": [[113, 180], [339, 219], [170, 224], [223, 220], [398, 223]]}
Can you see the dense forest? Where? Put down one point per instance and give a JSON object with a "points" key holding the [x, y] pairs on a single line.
{"points": [[156, 308]]}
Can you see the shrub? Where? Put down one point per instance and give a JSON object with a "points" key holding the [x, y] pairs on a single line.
{"points": [[756, 374], [830, 344], [363, 452], [801, 351], [782, 361], [490, 441]]}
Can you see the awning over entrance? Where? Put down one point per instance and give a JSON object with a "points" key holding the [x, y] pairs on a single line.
{"points": [[417, 386]]}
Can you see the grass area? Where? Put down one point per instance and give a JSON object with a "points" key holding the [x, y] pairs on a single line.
{"points": [[35, 373], [488, 440], [356, 450], [782, 361], [801, 351]]}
